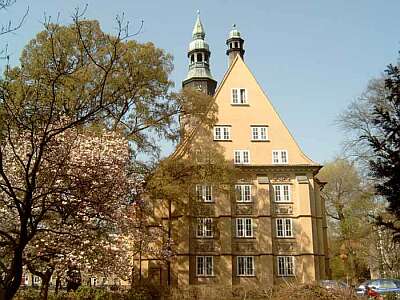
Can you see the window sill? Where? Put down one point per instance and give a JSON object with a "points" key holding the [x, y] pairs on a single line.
{"points": [[254, 275], [244, 202], [240, 104], [283, 202], [221, 140], [286, 275], [285, 237], [241, 164], [245, 237], [260, 141], [204, 237], [206, 276]]}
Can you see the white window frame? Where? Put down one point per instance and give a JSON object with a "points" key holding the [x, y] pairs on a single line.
{"points": [[285, 266], [204, 193], [236, 96], [204, 266], [239, 157], [257, 132], [243, 193], [204, 228], [280, 157], [284, 227], [222, 133], [245, 266], [244, 228], [282, 193]]}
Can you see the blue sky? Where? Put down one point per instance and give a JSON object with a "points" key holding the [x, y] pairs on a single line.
{"points": [[312, 58]]}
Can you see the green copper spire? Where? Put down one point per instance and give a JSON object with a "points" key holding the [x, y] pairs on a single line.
{"points": [[198, 30]]}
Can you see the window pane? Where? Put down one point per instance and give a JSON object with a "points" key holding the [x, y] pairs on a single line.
{"points": [[239, 227], [200, 265], [275, 156], [263, 133], [247, 193], [243, 96], [249, 229], [237, 157], [277, 189], [250, 267], [255, 133], [240, 265], [286, 196], [217, 133], [199, 192], [208, 227], [234, 96], [245, 156], [288, 227], [208, 193], [209, 265], [284, 157], [279, 227], [226, 133]]}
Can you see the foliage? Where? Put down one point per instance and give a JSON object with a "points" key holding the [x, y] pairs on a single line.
{"points": [[75, 115], [348, 203], [373, 124], [385, 165]]}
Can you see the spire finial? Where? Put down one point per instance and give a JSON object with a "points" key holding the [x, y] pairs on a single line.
{"points": [[234, 26], [198, 30]]}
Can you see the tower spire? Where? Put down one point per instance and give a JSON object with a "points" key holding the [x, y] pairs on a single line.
{"points": [[235, 44], [199, 74]]}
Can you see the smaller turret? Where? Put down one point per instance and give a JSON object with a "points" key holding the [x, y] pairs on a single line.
{"points": [[235, 44]]}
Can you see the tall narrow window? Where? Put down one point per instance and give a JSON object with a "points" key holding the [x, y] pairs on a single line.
{"points": [[204, 228], [279, 157], [284, 227], [242, 156], [204, 193], [285, 265], [243, 192], [282, 193], [244, 227], [235, 97], [204, 266], [245, 266]]}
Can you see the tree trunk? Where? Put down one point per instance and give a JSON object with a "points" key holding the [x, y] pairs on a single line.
{"points": [[13, 279], [58, 283], [44, 289]]}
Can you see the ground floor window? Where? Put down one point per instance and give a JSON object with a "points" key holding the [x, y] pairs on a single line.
{"points": [[285, 265], [204, 266], [245, 266]]}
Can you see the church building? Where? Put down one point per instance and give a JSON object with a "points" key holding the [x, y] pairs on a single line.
{"points": [[274, 227]]}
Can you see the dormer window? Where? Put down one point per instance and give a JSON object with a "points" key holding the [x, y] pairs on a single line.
{"points": [[239, 96]]}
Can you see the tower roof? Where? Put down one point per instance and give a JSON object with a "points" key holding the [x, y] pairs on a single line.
{"points": [[234, 33], [198, 30]]}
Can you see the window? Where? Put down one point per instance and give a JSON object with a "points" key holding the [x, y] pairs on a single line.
{"points": [[222, 133], [242, 156], [204, 227], [259, 133], [279, 157], [239, 96], [285, 266], [244, 227], [204, 266], [282, 192], [243, 192], [245, 266], [284, 228], [204, 193]]}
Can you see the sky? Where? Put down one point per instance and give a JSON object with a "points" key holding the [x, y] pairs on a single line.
{"points": [[311, 57]]}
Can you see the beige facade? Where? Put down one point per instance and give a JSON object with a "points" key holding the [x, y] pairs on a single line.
{"points": [[271, 226]]}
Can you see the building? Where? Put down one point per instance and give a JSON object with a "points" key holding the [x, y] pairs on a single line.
{"points": [[273, 227]]}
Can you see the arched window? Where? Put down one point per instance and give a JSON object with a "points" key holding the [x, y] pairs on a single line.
{"points": [[192, 58], [206, 57], [236, 44], [199, 57]]}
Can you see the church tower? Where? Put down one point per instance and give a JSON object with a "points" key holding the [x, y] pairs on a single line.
{"points": [[199, 75], [235, 45]]}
